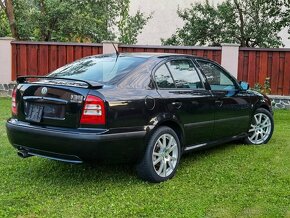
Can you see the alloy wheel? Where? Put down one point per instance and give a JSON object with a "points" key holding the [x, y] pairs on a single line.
{"points": [[260, 129], [165, 155]]}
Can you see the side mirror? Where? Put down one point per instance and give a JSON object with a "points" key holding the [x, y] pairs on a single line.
{"points": [[244, 85]]}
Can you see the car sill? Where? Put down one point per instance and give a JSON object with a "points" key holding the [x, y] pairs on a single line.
{"points": [[189, 148]]}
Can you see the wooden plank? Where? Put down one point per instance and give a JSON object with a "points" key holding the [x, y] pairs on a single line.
{"points": [[179, 51], [78, 52], [257, 67], [32, 54], [129, 50], [281, 73], [241, 66], [263, 67], [22, 61], [87, 51], [189, 51], [43, 60], [245, 65], [210, 55], [275, 73], [219, 57], [205, 53], [100, 50], [150, 50], [14, 62], [122, 50], [139, 50], [270, 56], [96, 50], [69, 54], [199, 53], [252, 67], [286, 79], [18, 61], [61, 56], [52, 63]]}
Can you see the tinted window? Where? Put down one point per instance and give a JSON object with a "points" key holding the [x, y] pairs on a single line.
{"points": [[163, 78], [216, 77], [99, 69], [184, 74]]}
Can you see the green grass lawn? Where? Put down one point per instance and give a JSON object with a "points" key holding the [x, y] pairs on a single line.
{"points": [[232, 180]]}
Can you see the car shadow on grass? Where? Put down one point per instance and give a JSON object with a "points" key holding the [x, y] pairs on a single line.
{"points": [[60, 173]]}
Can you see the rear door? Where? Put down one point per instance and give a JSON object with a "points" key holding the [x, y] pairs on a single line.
{"points": [[232, 105], [183, 93]]}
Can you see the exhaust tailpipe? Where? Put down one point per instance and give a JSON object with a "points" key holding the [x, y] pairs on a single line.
{"points": [[23, 154]]}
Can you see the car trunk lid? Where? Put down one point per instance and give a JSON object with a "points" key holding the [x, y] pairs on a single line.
{"points": [[52, 102]]}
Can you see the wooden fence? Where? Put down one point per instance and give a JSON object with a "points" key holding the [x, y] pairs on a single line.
{"points": [[213, 53], [40, 58], [255, 65]]}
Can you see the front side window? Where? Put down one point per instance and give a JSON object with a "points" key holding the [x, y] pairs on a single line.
{"points": [[184, 74], [216, 77]]}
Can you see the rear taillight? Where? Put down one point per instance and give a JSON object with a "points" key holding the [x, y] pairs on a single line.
{"points": [[14, 102], [93, 111]]}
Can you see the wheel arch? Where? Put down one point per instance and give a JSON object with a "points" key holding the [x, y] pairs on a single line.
{"points": [[265, 107], [173, 124]]}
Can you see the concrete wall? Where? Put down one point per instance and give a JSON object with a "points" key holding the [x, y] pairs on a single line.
{"points": [[230, 58], [5, 60]]}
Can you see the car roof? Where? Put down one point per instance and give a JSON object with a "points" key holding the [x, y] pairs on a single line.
{"points": [[150, 54]]}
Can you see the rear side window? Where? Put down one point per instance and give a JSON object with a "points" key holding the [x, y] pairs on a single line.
{"points": [[106, 70], [163, 78], [184, 74]]}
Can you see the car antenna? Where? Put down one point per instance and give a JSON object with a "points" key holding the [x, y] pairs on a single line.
{"points": [[116, 50], [117, 57]]}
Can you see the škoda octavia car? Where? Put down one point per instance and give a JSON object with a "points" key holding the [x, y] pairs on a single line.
{"points": [[143, 108]]}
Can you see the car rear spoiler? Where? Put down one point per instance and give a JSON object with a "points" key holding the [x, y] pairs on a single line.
{"points": [[90, 84]]}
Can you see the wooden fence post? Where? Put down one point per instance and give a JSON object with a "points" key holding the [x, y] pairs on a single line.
{"points": [[230, 58]]}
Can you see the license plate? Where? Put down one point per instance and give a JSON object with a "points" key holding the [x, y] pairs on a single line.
{"points": [[35, 113]]}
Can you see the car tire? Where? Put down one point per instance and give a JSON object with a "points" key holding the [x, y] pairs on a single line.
{"points": [[261, 128], [161, 157]]}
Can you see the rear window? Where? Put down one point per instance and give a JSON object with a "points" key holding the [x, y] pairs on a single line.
{"points": [[106, 70]]}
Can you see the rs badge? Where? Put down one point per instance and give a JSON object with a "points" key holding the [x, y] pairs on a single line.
{"points": [[76, 98]]}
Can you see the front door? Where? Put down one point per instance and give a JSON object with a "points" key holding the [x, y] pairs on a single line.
{"points": [[232, 105]]}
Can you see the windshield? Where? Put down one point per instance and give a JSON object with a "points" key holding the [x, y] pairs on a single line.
{"points": [[107, 70]]}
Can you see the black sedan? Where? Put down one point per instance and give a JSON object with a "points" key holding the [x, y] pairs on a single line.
{"points": [[143, 108]]}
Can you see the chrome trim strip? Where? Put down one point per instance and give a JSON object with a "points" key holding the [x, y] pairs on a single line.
{"points": [[195, 146]]}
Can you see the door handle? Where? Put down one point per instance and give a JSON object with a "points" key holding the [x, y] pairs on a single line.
{"points": [[177, 104], [219, 103]]}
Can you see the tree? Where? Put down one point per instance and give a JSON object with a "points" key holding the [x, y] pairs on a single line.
{"points": [[74, 20], [4, 25], [7, 6], [250, 23], [130, 26]]}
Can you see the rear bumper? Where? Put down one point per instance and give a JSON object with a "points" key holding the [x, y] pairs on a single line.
{"points": [[76, 145]]}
